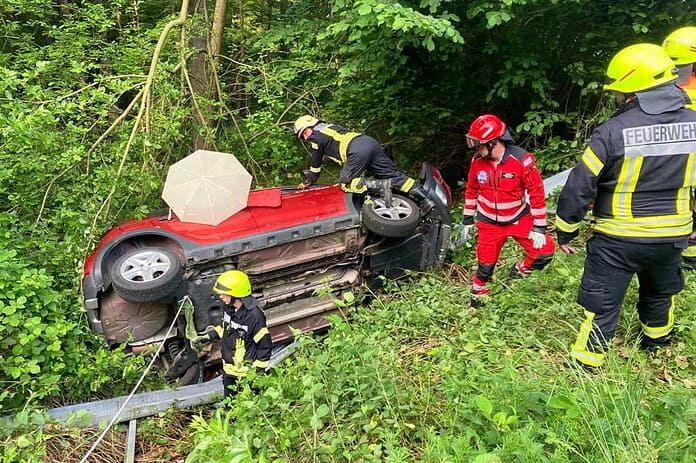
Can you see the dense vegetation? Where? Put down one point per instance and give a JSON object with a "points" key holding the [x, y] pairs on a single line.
{"points": [[97, 99]]}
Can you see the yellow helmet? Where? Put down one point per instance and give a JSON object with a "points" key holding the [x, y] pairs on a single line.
{"points": [[302, 123], [233, 283], [680, 45], [639, 67]]}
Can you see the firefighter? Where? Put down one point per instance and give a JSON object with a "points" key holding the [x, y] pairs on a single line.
{"points": [[356, 153], [505, 191], [245, 338], [637, 172], [680, 45]]}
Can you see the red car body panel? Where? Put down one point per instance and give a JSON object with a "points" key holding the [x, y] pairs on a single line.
{"points": [[292, 209]]}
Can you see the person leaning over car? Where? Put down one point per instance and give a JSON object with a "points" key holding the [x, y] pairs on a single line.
{"points": [[638, 171], [245, 337], [356, 153], [680, 45], [506, 193]]}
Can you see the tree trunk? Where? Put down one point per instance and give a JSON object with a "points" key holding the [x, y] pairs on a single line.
{"points": [[218, 29], [198, 72]]}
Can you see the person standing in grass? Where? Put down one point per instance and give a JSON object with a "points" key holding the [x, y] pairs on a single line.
{"points": [[245, 338], [637, 172], [505, 192]]}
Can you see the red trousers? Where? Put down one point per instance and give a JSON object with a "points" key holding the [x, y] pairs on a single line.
{"points": [[491, 239]]}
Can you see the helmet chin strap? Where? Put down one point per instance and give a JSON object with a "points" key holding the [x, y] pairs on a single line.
{"points": [[489, 146]]}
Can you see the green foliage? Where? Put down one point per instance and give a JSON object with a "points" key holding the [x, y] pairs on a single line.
{"points": [[24, 438], [418, 376], [411, 73], [60, 89], [43, 350], [381, 48]]}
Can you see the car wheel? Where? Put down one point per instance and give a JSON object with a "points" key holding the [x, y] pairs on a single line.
{"points": [[146, 274], [396, 221]]}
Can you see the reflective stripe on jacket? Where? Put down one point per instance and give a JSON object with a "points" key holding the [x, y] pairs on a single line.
{"points": [[638, 170], [502, 194], [245, 338], [329, 140]]}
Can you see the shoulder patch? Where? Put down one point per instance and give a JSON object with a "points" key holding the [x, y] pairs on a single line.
{"points": [[528, 161], [314, 146]]}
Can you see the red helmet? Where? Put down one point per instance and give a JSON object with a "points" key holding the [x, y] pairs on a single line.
{"points": [[484, 129]]}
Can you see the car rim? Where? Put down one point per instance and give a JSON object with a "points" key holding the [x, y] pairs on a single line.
{"points": [[399, 209], [145, 266]]}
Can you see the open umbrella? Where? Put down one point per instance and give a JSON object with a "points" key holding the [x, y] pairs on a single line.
{"points": [[206, 187]]}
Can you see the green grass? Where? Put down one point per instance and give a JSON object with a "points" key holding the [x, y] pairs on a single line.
{"points": [[420, 376]]}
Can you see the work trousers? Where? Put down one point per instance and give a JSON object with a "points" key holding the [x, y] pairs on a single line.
{"points": [[492, 237], [365, 153], [609, 267]]}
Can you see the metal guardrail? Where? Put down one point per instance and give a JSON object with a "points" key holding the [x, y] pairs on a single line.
{"points": [[98, 413], [553, 182]]}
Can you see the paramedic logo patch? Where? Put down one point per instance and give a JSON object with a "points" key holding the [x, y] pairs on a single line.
{"points": [[508, 175], [482, 177]]}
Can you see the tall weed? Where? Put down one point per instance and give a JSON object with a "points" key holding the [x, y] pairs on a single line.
{"points": [[420, 376]]}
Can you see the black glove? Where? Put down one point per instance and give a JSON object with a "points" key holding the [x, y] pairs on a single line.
{"points": [[209, 335], [565, 237]]}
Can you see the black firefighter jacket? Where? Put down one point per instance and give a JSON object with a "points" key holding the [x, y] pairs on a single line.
{"points": [[639, 171], [245, 338]]}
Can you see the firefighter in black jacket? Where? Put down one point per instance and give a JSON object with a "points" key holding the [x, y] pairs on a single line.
{"points": [[245, 338], [638, 171], [356, 153]]}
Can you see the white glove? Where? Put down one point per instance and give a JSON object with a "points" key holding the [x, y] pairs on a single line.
{"points": [[538, 239], [464, 233], [466, 230]]}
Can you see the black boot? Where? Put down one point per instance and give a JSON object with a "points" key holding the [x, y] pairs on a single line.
{"points": [[421, 197], [652, 344], [380, 187]]}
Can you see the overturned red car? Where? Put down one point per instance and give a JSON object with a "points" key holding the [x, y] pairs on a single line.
{"points": [[296, 246]]}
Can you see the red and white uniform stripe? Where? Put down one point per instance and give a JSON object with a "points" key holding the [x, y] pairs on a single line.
{"points": [[503, 193]]}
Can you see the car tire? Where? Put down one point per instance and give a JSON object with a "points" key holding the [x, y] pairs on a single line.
{"points": [[146, 274], [397, 221]]}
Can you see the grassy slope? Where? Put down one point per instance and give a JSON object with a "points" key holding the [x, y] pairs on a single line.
{"points": [[420, 376]]}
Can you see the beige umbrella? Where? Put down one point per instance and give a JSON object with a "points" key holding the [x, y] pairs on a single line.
{"points": [[206, 187]]}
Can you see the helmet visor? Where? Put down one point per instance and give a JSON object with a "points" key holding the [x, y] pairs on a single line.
{"points": [[472, 142]]}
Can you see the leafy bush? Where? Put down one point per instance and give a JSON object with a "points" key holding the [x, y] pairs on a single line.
{"points": [[419, 376]]}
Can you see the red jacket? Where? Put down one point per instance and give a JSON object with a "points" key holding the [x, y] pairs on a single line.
{"points": [[502, 194]]}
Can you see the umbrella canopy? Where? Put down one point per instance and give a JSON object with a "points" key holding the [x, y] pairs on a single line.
{"points": [[206, 187]]}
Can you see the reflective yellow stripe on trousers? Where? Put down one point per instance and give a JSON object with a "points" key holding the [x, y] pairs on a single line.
{"points": [[579, 349], [654, 332]]}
